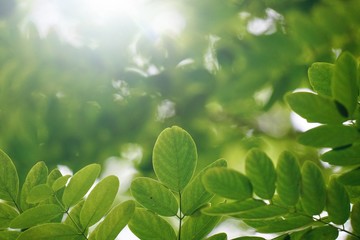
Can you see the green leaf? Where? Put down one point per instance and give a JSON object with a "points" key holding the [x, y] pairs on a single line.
{"points": [[248, 238], [73, 218], [261, 172], [355, 218], [331, 136], [9, 235], [7, 214], [227, 183], [147, 225], [321, 233], [99, 201], [174, 158], [9, 180], [267, 211], [80, 184], [195, 194], [39, 193], [344, 82], [343, 157], [320, 75], [351, 178], [37, 175], [219, 236], [198, 225], [281, 224], [53, 175], [288, 179], [60, 183], [154, 196], [315, 108], [313, 194], [50, 231], [337, 202], [233, 207], [114, 222], [36, 215]]}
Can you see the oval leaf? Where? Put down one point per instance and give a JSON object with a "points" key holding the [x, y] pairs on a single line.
{"points": [[99, 201], [147, 225], [288, 179], [233, 207], [60, 183], [49, 231], [154, 196], [174, 158], [351, 178], [267, 211], [39, 193], [322, 233], [227, 183], [343, 157], [36, 215], [80, 184], [337, 202], [7, 214], [195, 194], [355, 218], [219, 236], [9, 180], [114, 222], [320, 75], [261, 172], [73, 217], [313, 194]]}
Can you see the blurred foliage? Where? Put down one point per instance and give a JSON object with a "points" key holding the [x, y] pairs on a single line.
{"points": [[80, 101]]}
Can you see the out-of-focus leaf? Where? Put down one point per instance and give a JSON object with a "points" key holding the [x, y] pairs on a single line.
{"points": [[315, 108], [343, 157], [195, 194], [39, 193], [313, 194], [147, 225], [36, 215], [261, 172], [331, 136], [355, 217], [321, 233], [154, 196], [7, 213], [219, 236], [337, 202], [267, 211], [344, 82], [233, 207], [114, 222], [50, 231], [9, 180], [80, 184], [99, 201], [174, 158], [288, 179], [351, 178], [37, 175], [9, 235], [227, 183], [198, 225], [60, 183], [320, 75]]}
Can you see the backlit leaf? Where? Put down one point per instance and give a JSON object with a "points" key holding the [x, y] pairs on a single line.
{"points": [[351, 178], [114, 222], [331, 136], [337, 202], [343, 157], [9, 180], [174, 158], [288, 179], [147, 225], [320, 75], [267, 211], [39, 193], [36, 215], [261, 172], [99, 201], [80, 184], [355, 217], [198, 225], [314, 108], [50, 231], [233, 207], [321, 233], [313, 194], [60, 182], [344, 82], [154, 196], [37, 175], [227, 183], [7, 213], [195, 194]]}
